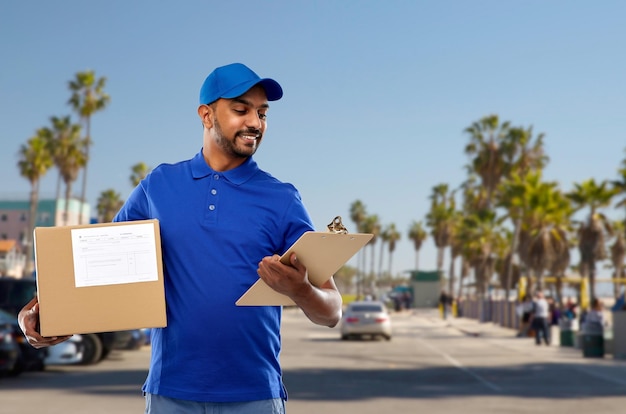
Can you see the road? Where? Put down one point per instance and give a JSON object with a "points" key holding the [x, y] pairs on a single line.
{"points": [[430, 365]]}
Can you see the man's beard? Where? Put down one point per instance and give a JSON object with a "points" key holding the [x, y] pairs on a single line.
{"points": [[229, 145]]}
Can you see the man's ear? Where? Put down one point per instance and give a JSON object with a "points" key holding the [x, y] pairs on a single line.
{"points": [[205, 112]]}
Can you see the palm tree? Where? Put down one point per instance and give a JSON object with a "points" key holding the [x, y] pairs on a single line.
{"points": [[617, 248], [417, 234], [372, 225], [481, 236], [465, 271], [68, 155], [34, 162], [620, 186], [109, 204], [88, 97], [456, 248], [511, 196], [545, 227], [139, 172], [439, 219], [618, 253], [562, 261], [503, 265], [384, 238], [523, 154], [486, 150], [392, 235], [358, 213], [593, 231], [544, 250]]}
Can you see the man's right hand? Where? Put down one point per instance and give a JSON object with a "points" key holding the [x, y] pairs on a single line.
{"points": [[28, 319]]}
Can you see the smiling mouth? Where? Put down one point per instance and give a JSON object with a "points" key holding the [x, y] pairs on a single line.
{"points": [[250, 136]]}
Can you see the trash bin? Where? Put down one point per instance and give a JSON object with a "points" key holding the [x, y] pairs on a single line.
{"points": [[568, 329], [593, 340]]}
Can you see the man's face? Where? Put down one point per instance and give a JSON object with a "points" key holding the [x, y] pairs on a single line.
{"points": [[239, 123]]}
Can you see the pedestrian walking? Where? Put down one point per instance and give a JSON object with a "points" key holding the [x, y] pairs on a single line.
{"points": [[525, 310], [540, 319]]}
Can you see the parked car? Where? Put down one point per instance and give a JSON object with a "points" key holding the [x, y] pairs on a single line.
{"points": [[9, 350], [138, 339], [97, 346], [66, 353], [366, 318], [15, 293], [29, 358]]}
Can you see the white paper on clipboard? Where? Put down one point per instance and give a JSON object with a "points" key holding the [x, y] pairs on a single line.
{"points": [[322, 253]]}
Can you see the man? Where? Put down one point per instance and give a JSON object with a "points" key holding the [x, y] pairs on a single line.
{"points": [[444, 304], [223, 223], [539, 319]]}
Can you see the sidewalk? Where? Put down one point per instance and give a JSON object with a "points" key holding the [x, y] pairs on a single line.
{"points": [[507, 337]]}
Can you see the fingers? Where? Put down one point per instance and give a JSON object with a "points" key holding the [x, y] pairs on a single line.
{"points": [[273, 264], [29, 315], [32, 303], [293, 259], [38, 341], [28, 320]]}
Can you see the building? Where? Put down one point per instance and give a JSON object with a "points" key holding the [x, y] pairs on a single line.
{"points": [[50, 212], [426, 287], [11, 259]]}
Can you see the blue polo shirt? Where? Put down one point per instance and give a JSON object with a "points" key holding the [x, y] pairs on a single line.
{"points": [[215, 228]]}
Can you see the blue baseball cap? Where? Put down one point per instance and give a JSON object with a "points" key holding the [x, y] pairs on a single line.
{"points": [[234, 80]]}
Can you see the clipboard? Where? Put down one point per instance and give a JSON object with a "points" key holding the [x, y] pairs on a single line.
{"points": [[322, 253]]}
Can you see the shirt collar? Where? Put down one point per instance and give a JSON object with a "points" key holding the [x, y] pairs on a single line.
{"points": [[237, 176]]}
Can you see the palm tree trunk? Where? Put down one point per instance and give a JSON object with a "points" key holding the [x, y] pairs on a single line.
{"points": [[66, 213], [440, 252], [464, 272], [380, 259], [592, 280], [362, 278], [559, 290], [58, 194], [539, 275], [509, 268], [32, 220], [452, 276], [83, 194]]}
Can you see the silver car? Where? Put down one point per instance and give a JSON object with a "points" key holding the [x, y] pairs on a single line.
{"points": [[66, 353], [366, 318]]}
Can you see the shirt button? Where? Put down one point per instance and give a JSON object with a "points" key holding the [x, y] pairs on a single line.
{"points": [[212, 207], [214, 191], [216, 177]]}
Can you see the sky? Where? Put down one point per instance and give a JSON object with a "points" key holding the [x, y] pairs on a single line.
{"points": [[377, 94]]}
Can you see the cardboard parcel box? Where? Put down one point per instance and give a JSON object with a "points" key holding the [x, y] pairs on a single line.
{"points": [[99, 277]]}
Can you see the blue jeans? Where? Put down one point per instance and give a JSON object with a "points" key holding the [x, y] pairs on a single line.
{"points": [[158, 404]]}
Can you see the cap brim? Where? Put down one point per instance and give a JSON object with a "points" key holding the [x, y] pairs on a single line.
{"points": [[273, 90]]}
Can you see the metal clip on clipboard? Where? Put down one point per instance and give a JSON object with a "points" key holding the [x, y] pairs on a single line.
{"points": [[337, 227]]}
